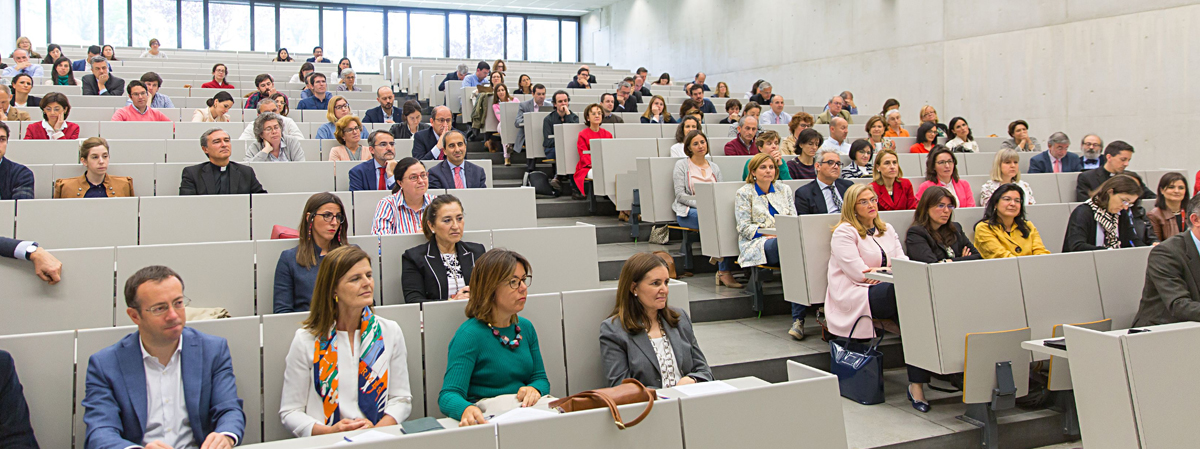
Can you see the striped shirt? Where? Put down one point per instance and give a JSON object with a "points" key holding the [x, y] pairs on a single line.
{"points": [[393, 216]]}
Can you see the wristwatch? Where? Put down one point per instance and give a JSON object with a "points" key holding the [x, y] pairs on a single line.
{"points": [[29, 250]]}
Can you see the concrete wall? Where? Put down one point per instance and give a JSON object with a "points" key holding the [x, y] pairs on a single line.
{"points": [[1117, 68]]}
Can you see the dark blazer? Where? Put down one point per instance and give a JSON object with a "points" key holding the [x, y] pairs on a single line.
{"points": [[1090, 180], [30, 101], [7, 248], [375, 115], [1081, 230], [810, 200], [293, 282], [758, 98], [575, 85], [670, 120], [15, 430], [423, 144], [115, 402], [921, 247], [400, 130], [424, 276], [708, 107], [628, 355], [1041, 163], [364, 176], [452, 76], [115, 86], [202, 180], [630, 105], [16, 181], [1172, 290], [441, 176], [323, 60]]}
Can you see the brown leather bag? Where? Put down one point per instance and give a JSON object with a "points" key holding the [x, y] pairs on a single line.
{"points": [[670, 260], [630, 391]]}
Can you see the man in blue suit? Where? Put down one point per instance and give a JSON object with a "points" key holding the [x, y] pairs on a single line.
{"points": [[1056, 159], [426, 141], [819, 197], [165, 385], [376, 174], [386, 112], [455, 172]]}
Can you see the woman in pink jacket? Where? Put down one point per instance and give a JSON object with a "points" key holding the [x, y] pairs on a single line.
{"points": [[863, 243], [941, 169]]}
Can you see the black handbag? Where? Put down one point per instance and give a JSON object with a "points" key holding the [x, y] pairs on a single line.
{"points": [[858, 366]]}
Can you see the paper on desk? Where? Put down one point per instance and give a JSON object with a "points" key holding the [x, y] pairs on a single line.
{"points": [[521, 414], [370, 435], [704, 388]]}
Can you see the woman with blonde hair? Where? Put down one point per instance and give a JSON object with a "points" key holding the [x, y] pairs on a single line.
{"points": [[755, 207], [722, 90], [349, 134], [347, 368], [339, 107], [1006, 168], [657, 111]]}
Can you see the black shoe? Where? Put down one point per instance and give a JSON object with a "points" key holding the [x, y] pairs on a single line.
{"points": [[921, 406], [554, 184], [575, 195]]}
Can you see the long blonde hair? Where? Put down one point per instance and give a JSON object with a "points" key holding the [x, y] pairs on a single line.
{"points": [[1002, 156], [850, 211]]}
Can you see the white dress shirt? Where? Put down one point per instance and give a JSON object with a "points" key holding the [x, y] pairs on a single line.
{"points": [[843, 148], [302, 408], [166, 410]]}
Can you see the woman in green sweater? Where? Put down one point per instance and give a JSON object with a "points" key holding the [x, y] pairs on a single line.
{"points": [[494, 352]]}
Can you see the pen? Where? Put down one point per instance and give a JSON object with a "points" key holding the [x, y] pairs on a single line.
{"points": [[348, 440]]}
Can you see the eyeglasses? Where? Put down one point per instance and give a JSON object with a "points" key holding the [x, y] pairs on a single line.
{"points": [[832, 163], [414, 178], [949, 207], [271, 128], [944, 162], [442, 120], [385, 144], [161, 309], [342, 107], [140, 94], [868, 201], [330, 216], [352, 130], [516, 282]]}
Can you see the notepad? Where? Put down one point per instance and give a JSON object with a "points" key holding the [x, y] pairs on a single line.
{"points": [[521, 414], [704, 388], [368, 436]]}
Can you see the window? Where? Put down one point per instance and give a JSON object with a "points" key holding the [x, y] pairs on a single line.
{"points": [[487, 37], [296, 31], [570, 39], [116, 22], [264, 29], [192, 21], [334, 22], [33, 22], [429, 35], [543, 40], [397, 33], [516, 38], [458, 35], [154, 19], [74, 22], [364, 40], [229, 27]]}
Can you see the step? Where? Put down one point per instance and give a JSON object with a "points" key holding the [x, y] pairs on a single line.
{"points": [[564, 206], [608, 228]]}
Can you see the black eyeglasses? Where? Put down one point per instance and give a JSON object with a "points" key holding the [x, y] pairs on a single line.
{"points": [[330, 216]]}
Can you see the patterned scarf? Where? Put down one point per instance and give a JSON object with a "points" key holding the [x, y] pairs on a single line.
{"points": [[1108, 220], [372, 371]]}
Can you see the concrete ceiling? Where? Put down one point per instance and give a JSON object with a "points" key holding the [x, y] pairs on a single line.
{"points": [[547, 7]]}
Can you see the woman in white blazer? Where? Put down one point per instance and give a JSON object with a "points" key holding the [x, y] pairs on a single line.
{"points": [[755, 207]]}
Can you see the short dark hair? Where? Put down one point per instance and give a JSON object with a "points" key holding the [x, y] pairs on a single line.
{"points": [[56, 98], [410, 107], [95, 50], [733, 103], [133, 84], [642, 70], [376, 133], [262, 77], [923, 130], [4, 126], [809, 135], [402, 166], [859, 146], [151, 76], [483, 65], [538, 86], [687, 141], [314, 75], [583, 69], [1116, 147], [1164, 182], [607, 94], [153, 273], [556, 94], [318, 48], [694, 86]]}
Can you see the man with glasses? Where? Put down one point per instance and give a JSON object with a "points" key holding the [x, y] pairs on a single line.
{"points": [[320, 98], [427, 142], [834, 109], [376, 174], [822, 196], [561, 115], [743, 145], [165, 385], [1117, 157], [23, 66], [1091, 147], [218, 176], [455, 172], [139, 109]]}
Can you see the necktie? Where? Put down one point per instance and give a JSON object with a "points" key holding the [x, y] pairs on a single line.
{"points": [[382, 178], [458, 179], [837, 202], [1058, 165]]}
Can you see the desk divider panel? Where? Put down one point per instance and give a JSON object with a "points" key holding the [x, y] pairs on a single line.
{"points": [[195, 219], [113, 222], [637, 130], [486, 209], [1162, 401], [142, 174], [278, 331], [240, 333], [569, 263], [30, 152], [1102, 399], [911, 164], [286, 209], [1049, 301], [189, 150], [976, 182], [718, 228], [611, 157], [1051, 223], [1045, 188], [816, 232], [1121, 274], [533, 134], [341, 175], [656, 188], [138, 151], [914, 303], [545, 312], [665, 143], [294, 176], [138, 130], [974, 297], [42, 191], [8, 214], [266, 256], [1066, 186], [508, 122], [214, 274], [709, 423], [791, 261], [392, 248], [86, 291], [731, 166], [45, 364], [168, 177], [408, 316], [365, 204], [441, 320], [594, 429]]}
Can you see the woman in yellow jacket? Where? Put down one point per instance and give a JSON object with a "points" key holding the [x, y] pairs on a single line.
{"points": [[1003, 231]]}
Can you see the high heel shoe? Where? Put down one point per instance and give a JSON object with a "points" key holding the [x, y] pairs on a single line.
{"points": [[731, 283], [921, 406], [507, 162]]}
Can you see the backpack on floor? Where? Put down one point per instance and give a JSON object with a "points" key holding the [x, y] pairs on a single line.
{"points": [[540, 182]]}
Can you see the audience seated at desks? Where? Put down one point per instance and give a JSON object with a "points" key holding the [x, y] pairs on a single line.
{"points": [[694, 168], [270, 105], [219, 71], [755, 206], [482, 70], [349, 131], [54, 125], [934, 235], [941, 170], [1004, 231], [1168, 216], [23, 64], [321, 96], [218, 176], [441, 268], [1019, 138], [625, 102], [270, 145], [875, 135], [696, 93], [608, 102], [376, 173], [1006, 169], [1092, 149], [318, 56], [401, 212], [217, 110], [1172, 289], [804, 165], [100, 81], [8, 111], [1117, 156], [751, 109], [322, 229], [685, 128], [820, 196], [139, 109], [645, 338], [386, 112], [860, 160], [16, 180], [775, 115], [763, 94], [887, 180], [425, 142], [153, 52], [455, 172], [1107, 220], [95, 181], [265, 87]]}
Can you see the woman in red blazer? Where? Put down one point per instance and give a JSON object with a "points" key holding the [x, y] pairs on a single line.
{"points": [[55, 109], [218, 81], [894, 192]]}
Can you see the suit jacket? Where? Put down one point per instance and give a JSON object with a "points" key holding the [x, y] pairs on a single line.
{"points": [[1081, 230], [375, 115], [441, 176], [810, 199], [77, 187], [7, 247], [525, 107], [115, 409], [1172, 290], [30, 101], [1090, 180], [628, 355], [424, 141], [452, 76], [423, 275], [922, 248], [630, 105], [115, 86], [16, 181], [364, 176], [15, 429], [1041, 163], [202, 180]]}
